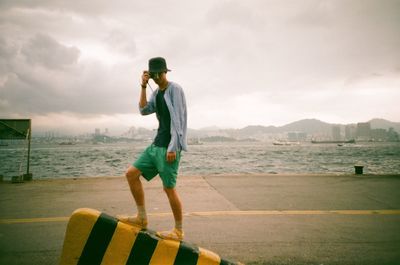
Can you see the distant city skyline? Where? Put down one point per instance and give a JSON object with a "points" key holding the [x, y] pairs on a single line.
{"points": [[75, 66], [309, 130], [378, 123]]}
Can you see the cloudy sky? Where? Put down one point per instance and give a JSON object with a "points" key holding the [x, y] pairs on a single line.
{"points": [[76, 65]]}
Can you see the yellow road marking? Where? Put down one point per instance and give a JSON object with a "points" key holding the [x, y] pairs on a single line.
{"points": [[297, 212], [224, 213], [34, 220]]}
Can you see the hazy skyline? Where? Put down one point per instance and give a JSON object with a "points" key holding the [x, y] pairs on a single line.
{"points": [[76, 65]]}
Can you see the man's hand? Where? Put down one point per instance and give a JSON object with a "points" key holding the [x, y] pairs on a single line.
{"points": [[145, 78], [171, 156]]}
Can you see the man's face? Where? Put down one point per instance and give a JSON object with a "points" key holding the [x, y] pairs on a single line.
{"points": [[157, 77]]}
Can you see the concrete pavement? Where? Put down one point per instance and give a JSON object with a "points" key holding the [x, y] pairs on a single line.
{"points": [[255, 219]]}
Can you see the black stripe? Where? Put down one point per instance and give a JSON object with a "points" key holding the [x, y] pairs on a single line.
{"points": [[187, 254], [98, 240], [143, 248]]}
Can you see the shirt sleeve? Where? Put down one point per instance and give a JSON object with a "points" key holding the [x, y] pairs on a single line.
{"points": [[151, 105], [178, 119]]}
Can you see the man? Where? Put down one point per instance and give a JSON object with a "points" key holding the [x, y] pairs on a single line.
{"points": [[163, 155]]}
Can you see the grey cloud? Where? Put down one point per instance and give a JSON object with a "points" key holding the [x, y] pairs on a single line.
{"points": [[7, 49], [47, 78], [89, 7], [40, 74], [85, 6], [119, 41], [235, 13], [46, 51], [96, 91], [314, 14]]}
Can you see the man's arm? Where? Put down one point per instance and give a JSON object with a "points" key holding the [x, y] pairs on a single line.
{"points": [[146, 107], [143, 97]]}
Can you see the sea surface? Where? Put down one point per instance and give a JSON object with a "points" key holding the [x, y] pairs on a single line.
{"points": [[50, 161]]}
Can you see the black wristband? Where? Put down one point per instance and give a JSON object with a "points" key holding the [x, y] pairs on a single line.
{"points": [[143, 86]]}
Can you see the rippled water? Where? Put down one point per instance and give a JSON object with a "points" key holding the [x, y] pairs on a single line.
{"points": [[54, 161]]}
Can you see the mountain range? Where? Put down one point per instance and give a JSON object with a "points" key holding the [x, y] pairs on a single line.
{"points": [[309, 126]]}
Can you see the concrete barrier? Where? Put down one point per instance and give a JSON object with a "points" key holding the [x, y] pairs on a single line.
{"points": [[95, 238]]}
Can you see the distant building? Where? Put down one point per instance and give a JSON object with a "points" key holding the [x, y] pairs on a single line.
{"points": [[350, 132], [379, 135], [97, 131], [49, 134], [297, 136], [336, 133], [302, 136], [392, 135], [363, 131]]}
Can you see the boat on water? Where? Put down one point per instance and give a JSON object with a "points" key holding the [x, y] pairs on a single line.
{"points": [[66, 143], [285, 143], [352, 141], [194, 141]]}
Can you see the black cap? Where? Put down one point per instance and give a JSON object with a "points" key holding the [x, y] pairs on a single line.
{"points": [[158, 65]]}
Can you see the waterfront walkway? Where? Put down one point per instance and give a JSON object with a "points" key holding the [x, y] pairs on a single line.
{"points": [[255, 219]]}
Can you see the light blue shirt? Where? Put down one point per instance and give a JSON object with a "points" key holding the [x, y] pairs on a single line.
{"points": [[176, 103]]}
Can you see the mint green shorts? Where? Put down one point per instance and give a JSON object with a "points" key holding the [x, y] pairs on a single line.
{"points": [[153, 161]]}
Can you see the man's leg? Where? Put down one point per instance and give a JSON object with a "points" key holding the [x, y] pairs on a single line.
{"points": [[176, 206], [168, 174], [133, 176]]}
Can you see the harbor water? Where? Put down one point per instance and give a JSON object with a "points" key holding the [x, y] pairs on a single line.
{"points": [[90, 160]]}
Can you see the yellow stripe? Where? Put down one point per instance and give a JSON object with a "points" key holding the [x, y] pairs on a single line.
{"points": [[160, 214], [207, 257], [165, 252], [119, 249], [225, 213], [79, 227]]}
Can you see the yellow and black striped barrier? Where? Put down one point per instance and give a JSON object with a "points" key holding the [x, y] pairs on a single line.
{"points": [[95, 238]]}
